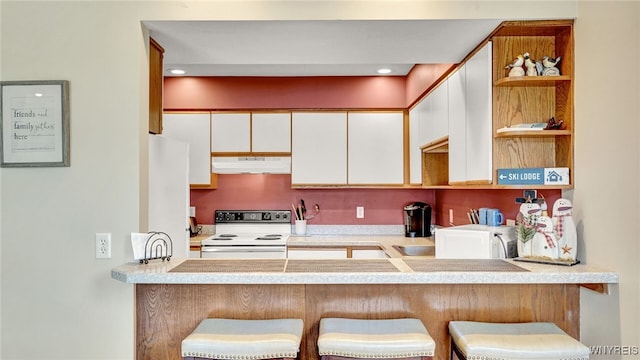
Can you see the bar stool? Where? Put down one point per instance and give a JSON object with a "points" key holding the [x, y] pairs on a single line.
{"points": [[243, 339], [406, 339], [500, 341]]}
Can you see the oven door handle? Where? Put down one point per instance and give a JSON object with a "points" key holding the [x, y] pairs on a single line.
{"points": [[242, 249]]}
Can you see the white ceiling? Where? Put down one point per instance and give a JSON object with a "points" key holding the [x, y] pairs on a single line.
{"points": [[314, 48]]}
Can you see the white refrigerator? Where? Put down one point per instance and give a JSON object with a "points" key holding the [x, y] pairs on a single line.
{"points": [[169, 191]]}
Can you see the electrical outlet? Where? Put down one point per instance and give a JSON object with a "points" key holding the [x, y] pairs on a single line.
{"points": [[359, 212], [103, 246]]}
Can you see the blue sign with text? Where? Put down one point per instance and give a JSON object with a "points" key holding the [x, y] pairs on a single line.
{"points": [[529, 176], [533, 176]]}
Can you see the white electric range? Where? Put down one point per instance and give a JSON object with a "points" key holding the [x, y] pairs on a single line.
{"points": [[249, 234]]}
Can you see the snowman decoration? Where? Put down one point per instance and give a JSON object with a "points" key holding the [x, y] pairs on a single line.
{"points": [[527, 222], [544, 242], [565, 229]]}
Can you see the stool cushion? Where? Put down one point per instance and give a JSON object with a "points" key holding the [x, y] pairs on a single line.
{"points": [[534, 340], [390, 338], [244, 339]]}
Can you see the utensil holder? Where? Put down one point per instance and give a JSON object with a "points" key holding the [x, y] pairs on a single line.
{"points": [[301, 227]]}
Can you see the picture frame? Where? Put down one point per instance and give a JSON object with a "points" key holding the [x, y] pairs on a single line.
{"points": [[34, 123]]}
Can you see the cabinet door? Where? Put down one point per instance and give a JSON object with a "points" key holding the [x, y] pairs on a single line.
{"points": [[271, 132], [415, 153], [376, 148], [457, 127], [156, 55], [319, 253], [192, 128], [479, 117], [368, 254], [231, 132], [319, 148], [434, 118]]}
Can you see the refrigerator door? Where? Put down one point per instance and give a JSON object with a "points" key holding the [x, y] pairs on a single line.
{"points": [[169, 191]]}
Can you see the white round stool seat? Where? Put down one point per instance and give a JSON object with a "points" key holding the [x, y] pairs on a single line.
{"points": [[244, 339], [389, 338], [521, 341]]}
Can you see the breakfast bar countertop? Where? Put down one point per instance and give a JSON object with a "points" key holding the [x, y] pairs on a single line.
{"points": [[396, 269]]}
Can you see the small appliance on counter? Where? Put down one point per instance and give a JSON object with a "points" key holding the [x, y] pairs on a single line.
{"points": [[476, 242], [194, 229], [417, 220]]}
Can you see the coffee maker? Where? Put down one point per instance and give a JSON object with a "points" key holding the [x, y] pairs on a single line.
{"points": [[417, 220]]}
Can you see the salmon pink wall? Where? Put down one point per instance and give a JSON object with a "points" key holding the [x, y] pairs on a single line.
{"points": [[463, 200], [337, 206], [421, 77], [247, 93]]}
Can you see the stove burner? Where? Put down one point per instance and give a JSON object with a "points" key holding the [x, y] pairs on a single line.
{"points": [[227, 235], [221, 237], [268, 237], [273, 235]]}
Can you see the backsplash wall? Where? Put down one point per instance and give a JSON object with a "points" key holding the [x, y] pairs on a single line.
{"points": [[338, 206]]}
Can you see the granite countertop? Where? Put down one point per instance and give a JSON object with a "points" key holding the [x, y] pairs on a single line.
{"points": [[395, 269]]}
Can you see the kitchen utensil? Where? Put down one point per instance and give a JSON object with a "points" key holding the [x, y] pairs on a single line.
{"points": [[304, 209], [316, 210]]}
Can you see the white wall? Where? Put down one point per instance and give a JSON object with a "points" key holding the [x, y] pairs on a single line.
{"points": [[607, 165], [58, 302]]}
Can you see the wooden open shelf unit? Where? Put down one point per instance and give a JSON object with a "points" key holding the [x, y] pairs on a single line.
{"points": [[534, 99]]}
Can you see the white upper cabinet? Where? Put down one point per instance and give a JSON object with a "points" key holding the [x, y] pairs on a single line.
{"points": [[434, 118], [457, 126], [230, 132], [470, 97], [428, 123], [415, 154], [251, 132], [192, 128], [376, 148], [271, 132], [479, 117], [319, 148]]}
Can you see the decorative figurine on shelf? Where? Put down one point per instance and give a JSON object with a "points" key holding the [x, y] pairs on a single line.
{"points": [[565, 229], [544, 243], [554, 124], [516, 67], [527, 219], [550, 66], [534, 68]]}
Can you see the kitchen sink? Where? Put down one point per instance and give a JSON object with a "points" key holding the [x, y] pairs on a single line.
{"points": [[416, 250]]}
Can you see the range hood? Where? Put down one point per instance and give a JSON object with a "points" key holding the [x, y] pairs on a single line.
{"points": [[251, 165]]}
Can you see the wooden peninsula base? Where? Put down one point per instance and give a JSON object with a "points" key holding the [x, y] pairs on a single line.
{"points": [[167, 313]]}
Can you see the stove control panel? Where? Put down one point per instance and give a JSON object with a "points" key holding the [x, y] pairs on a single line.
{"points": [[252, 216]]}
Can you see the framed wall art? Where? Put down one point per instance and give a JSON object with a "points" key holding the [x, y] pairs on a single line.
{"points": [[34, 119]]}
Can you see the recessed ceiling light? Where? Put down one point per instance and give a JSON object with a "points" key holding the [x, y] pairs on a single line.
{"points": [[384, 71], [177, 71], [38, 94]]}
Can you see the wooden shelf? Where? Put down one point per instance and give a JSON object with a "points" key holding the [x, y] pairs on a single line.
{"points": [[524, 99], [531, 133], [437, 146], [532, 80]]}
